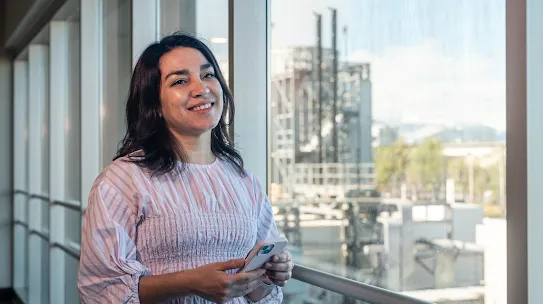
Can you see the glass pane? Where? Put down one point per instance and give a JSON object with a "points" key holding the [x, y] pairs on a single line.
{"points": [[71, 293], [73, 122], [297, 292], [72, 226], [117, 68], [20, 259], [38, 269], [44, 215], [387, 142], [194, 17]]}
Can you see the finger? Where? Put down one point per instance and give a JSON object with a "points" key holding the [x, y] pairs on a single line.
{"points": [[281, 276], [243, 289], [280, 258], [279, 282], [289, 255], [246, 277], [277, 266], [230, 264]]}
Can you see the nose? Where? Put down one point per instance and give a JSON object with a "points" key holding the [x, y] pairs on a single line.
{"points": [[200, 89]]}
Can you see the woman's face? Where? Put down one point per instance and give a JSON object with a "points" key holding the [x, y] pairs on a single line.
{"points": [[190, 94]]}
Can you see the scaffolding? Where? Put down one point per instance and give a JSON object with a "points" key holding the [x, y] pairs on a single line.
{"points": [[305, 161]]}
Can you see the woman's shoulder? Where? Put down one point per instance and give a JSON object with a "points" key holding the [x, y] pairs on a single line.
{"points": [[120, 173]]}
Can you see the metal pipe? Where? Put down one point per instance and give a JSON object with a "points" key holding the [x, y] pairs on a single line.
{"points": [[335, 146], [351, 288], [319, 85]]}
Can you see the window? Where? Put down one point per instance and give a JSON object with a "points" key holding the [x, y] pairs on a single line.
{"points": [[387, 143], [38, 168], [117, 69], [196, 17], [20, 181]]}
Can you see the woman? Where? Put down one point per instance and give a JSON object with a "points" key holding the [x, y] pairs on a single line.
{"points": [[173, 216]]}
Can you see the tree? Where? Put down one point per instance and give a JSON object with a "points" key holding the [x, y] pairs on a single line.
{"points": [[426, 167], [457, 169], [391, 163]]}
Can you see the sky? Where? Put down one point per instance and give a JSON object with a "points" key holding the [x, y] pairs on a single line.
{"points": [[432, 60]]}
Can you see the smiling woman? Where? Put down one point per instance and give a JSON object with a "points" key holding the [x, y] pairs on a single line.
{"points": [[174, 215], [191, 98], [170, 80]]}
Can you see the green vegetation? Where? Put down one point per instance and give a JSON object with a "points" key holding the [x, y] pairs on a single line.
{"points": [[424, 170]]}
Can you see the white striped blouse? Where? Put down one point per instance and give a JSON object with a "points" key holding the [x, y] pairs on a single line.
{"points": [[138, 225]]}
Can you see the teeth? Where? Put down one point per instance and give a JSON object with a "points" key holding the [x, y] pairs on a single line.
{"points": [[202, 107]]}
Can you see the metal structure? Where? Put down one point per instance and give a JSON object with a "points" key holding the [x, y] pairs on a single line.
{"points": [[303, 123]]}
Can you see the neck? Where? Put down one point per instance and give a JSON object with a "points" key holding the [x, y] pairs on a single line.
{"points": [[197, 148]]}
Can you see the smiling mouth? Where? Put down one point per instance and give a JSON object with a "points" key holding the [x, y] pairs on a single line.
{"points": [[202, 107]]}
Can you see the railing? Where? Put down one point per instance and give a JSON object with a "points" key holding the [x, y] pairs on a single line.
{"points": [[351, 288], [337, 284], [72, 205], [333, 179]]}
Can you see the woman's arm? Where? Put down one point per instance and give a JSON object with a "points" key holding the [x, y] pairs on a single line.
{"points": [[260, 293], [210, 282], [108, 269], [159, 288]]}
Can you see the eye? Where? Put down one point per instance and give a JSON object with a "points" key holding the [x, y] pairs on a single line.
{"points": [[179, 81], [209, 75]]}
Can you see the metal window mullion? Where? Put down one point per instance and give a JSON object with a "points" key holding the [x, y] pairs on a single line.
{"points": [[20, 150], [62, 34], [38, 62], [534, 147], [248, 52], [145, 14], [91, 93]]}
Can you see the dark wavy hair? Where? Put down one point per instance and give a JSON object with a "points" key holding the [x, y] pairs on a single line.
{"points": [[147, 130]]}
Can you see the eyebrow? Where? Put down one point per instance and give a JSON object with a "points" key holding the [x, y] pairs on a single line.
{"points": [[186, 72]]}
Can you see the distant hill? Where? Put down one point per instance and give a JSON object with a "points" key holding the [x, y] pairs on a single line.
{"points": [[416, 132]]}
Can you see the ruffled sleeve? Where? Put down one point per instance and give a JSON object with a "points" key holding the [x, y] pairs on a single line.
{"points": [[108, 269]]}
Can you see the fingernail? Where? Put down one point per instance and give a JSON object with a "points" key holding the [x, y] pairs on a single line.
{"points": [[268, 265], [275, 258]]}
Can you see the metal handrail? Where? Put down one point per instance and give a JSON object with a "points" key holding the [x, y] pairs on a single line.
{"points": [[40, 234], [74, 205], [20, 192], [351, 288], [39, 196], [31, 195], [67, 205], [73, 253], [20, 223]]}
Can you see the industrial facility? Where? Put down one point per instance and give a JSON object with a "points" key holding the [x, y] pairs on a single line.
{"points": [[324, 193]]}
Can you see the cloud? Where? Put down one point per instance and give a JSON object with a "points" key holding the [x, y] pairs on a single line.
{"points": [[422, 83]]}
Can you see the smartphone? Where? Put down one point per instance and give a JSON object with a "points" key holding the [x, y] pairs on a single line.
{"points": [[263, 252]]}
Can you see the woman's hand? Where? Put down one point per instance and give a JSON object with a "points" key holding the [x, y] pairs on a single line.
{"points": [[279, 268], [214, 284]]}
